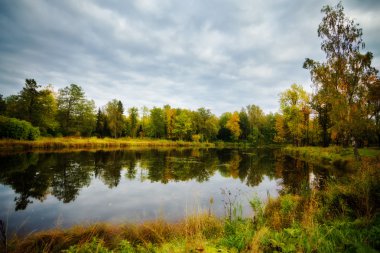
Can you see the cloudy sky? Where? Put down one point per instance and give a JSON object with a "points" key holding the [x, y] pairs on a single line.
{"points": [[218, 54]]}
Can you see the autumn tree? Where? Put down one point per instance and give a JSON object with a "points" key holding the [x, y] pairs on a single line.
{"points": [[170, 115], [342, 82], [280, 136], [233, 125]]}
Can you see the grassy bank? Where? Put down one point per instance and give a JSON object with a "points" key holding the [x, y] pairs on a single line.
{"points": [[83, 143], [93, 142], [344, 216], [330, 156]]}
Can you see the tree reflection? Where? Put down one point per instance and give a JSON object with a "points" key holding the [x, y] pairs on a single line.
{"points": [[71, 173], [63, 175]]}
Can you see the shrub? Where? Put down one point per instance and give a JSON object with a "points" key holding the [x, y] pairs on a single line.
{"points": [[17, 129]]}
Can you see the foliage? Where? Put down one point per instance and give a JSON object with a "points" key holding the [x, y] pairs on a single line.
{"points": [[35, 105], [183, 125], [114, 115], [76, 114], [157, 123], [133, 121], [342, 83], [233, 125], [17, 129], [294, 106]]}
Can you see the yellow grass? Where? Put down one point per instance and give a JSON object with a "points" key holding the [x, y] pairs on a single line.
{"points": [[92, 142]]}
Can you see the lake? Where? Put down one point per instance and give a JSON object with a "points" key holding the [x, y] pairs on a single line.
{"points": [[47, 190]]}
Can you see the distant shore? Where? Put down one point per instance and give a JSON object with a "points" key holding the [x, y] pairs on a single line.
{"points": [[53, 143], [94, 143]]}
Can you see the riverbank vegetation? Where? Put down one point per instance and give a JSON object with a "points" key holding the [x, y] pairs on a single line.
{"points": [[336, 156], [342, 215], [52, 143]]}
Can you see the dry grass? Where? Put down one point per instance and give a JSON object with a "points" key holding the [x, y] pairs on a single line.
{"points": [[195, 230], [92, 143]]}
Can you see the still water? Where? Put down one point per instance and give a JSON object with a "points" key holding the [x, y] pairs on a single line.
{"points": [[48, 190]]}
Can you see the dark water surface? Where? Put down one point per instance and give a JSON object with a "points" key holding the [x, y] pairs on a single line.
{"points": [[47, 190]]}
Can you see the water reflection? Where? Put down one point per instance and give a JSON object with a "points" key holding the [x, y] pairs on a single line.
{"points": [[42, 188], [35, 175]]}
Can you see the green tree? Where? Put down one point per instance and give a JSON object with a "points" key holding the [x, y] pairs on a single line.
{"points": [[114, 114], [29, 100], [256, 119], [294, 104], [47, 111], [3, 105], [133, 121], [183, 125], [268, 129], [244, 124], [224, 133], [342, 82], [205, 124], [36, 106], [76, 114], [101, 127], [157, 123], [144, 121]]}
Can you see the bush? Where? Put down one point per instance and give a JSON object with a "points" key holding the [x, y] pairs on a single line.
{"points": [[17, 129]]}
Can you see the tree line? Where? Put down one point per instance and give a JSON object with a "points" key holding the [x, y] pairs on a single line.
{"points": [[69, 112], [344, 106]]}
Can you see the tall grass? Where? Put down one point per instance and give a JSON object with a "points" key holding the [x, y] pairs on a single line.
{"points": [[93, 142]]}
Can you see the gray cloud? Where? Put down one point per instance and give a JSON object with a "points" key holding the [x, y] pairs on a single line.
{"points": [[222, 55]]}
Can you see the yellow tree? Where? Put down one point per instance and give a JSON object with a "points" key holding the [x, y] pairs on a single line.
{"points": [[294, 104], [234, 126], [280, 129]]}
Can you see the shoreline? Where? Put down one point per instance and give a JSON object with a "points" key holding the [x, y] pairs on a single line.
{"points": [[46, 144], [59, 143], [330, 157]]}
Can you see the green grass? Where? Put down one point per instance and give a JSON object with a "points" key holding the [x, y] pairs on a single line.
{"points": [[330, 156]]}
